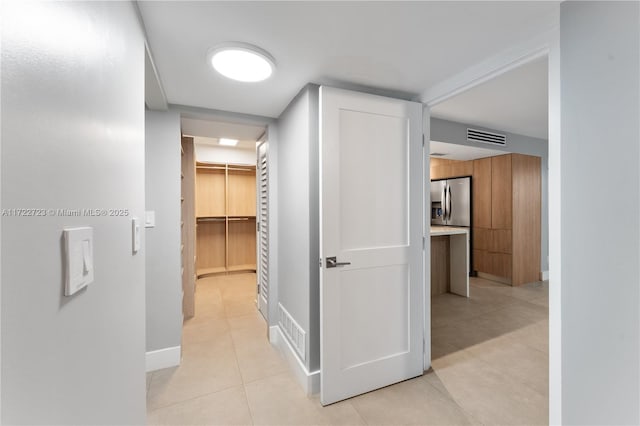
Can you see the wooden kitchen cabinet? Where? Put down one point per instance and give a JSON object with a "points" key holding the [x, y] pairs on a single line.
{"points": [[526, 218], [506, 218], [501, 190], [500, 241], [441, 168], [482, 193]]}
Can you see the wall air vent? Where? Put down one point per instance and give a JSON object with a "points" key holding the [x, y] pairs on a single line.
{"points": [[295, 334], [437, 154], [474, 135]]}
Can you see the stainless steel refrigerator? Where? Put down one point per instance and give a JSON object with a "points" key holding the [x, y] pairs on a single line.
{"points": [[451, 202]]}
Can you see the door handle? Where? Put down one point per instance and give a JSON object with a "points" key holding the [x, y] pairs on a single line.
{"points": [[332, 262], [443, 202], [449, 202]]}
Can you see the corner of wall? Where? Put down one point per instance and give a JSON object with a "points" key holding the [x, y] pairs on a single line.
{"points": [[313, 359]]}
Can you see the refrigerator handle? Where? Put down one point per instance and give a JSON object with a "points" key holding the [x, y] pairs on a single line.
{"points": [[443, 202], [449, 202]]}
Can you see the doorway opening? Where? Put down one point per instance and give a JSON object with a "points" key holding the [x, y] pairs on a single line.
{"points": [[502, 326], [225, 209]]}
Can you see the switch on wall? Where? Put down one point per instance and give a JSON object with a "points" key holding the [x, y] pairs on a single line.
{"points": [[78, 243], [150, 219]]}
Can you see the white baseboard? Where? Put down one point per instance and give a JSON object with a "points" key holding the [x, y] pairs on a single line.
{"points": [[544, 275], [310, 382], [163, 358]]}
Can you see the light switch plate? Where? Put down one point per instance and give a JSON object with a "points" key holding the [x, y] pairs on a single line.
{"points": [[78, 245], [150, 219]]}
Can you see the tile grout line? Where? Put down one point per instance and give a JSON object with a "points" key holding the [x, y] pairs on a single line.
{"points": [[235, 352], [241, 384], [191, 399], [452, 398], [364, 420]]}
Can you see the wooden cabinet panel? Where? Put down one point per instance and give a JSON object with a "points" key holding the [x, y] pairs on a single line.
{"points": [[210, 245], [242, 193], [482, 193], [188, 226], [210, 192], [500, 265], [506, 217], [437, 167], [439, 265], [526, 221], [481, 238], [501, 208], [242, 244], [500, 241], [461, 168], [481, 261], [441, 168]]}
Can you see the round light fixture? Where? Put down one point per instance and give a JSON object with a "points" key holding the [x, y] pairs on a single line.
{"points": [[242, 62]]}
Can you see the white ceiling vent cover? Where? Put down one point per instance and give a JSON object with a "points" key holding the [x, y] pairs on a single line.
{"points": [[474, 135]]}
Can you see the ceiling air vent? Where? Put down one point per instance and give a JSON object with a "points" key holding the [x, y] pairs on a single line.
{"points": [[437, 154], [474, 135]]}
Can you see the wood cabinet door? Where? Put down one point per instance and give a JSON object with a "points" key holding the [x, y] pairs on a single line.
{"points": [[482, 193], [481, 261], [501, 208], [500, 241], [481, 238], [526, 218], [461, 168], [500, 265]]}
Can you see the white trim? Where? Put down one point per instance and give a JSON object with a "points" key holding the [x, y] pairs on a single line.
{"points": [[544, 276], [310, 382], [426, 227], [555, 229], [155, 98], [163, 358], [491, 67]]}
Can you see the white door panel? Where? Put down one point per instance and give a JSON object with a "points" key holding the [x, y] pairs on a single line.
{"points": [[371, 214], [375, 187]]}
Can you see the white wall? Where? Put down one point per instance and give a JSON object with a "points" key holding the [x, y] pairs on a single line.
{"points": [[163, 261], [221, 154], [72, 137], [600, 164], [298, 246], [456, 133]]}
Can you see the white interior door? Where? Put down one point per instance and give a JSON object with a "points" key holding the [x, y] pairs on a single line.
{"points": [[262, 193], [371, 214]]}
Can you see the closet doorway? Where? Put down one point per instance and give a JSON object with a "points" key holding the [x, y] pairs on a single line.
{"points": [[225, 234]]}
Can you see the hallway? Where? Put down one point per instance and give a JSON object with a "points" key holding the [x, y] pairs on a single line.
{"points": [[489, 366]]}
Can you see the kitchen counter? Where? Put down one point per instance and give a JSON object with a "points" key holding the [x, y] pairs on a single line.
{"points": [[456, 279], [447, 230]]}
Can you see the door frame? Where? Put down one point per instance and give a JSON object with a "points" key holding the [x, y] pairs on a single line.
{"points": [[544, 44]]}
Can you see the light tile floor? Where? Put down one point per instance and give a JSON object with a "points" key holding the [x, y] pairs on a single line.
{"points": [[490, 366]]}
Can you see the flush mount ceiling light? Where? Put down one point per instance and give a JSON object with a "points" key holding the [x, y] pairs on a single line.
{"points": [[228, 142], [242, 62]]}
